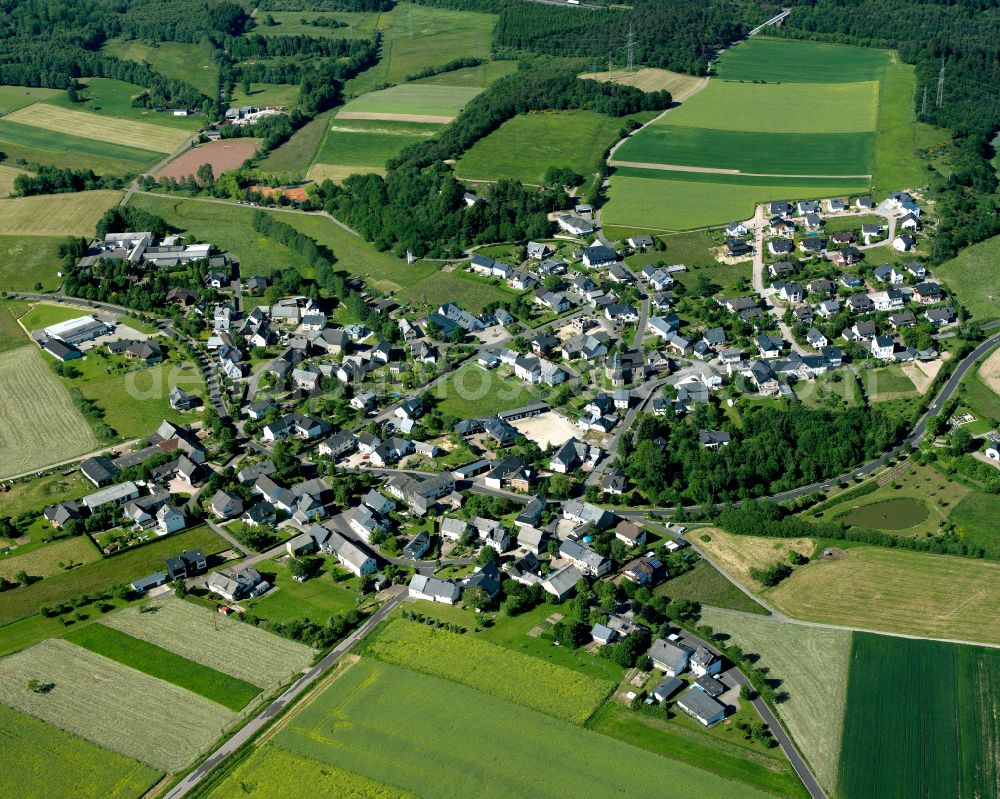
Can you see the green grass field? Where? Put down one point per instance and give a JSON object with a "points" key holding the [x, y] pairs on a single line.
{"points": [[14, 97], [190, 63], [56, 214], [350, 146], [25, 261], [39, 492], [222, 643], [973, 517], [472, 391], [522, 148], [41, 424], [384, 713], [296, 154], [416, 37], [54, 763], [507, 675], [655, 200], [705, 585], [55, 148], [230, 692], [779, 108], [44, 314], [113, 98], [812, 665], [480, 77], [973, 278], [267, 94], [255, 777], [921, 720], [131, 564], [752, 152], [316, 599], [11, 334], [112, 705], [789, 61], [413, 99], [472, 293], [679, 741]]}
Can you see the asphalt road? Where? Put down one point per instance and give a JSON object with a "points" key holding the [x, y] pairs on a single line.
{"points": [[267, 714]]}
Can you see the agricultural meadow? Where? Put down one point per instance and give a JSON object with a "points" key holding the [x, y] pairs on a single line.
{"points": [[973, 276], [424, 735], [470, 392], [41, 424], [27, 260], [51, 762], [190, 63], [416, 102], [781, 119], [811, 665], [113, 99], [921, 720], [56, 214], [221, 643]]}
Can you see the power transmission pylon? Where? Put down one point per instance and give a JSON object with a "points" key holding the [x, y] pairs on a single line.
{"points": [[940, 92], [630, 47], [923, 104]]}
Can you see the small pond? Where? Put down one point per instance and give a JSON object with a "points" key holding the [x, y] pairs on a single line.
{"points": [[892, 514]]}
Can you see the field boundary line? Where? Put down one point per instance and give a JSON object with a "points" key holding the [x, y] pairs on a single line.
{"points": [[389, 117], [657, 118], [709, 170]]}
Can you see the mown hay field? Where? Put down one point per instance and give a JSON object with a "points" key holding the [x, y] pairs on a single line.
{"points": [[510, 676], [14, 97], [432, 737], [51, 148], [111, 705], [113, 98], [273, 773], [650, 79], [915, 593], [46, 561], [7, 175], [218, 642], [56, 214], [786, 60], [737, 554], [230, 692], [53, 763], [41, 426], [126, 132], [811, 664], [921, 720], [27, 260]]}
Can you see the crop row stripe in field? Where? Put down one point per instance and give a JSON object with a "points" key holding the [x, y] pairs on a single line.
{"points": [[107, 129], [707, 170], [388, 117]]}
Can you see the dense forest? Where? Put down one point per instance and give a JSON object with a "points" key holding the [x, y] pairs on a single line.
{"points": [[963, 38], [682, 35], [772, 452], [418, 205]]}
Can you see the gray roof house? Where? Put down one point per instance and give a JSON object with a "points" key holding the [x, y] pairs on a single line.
{"points": [[669, 657], [699, 705]]}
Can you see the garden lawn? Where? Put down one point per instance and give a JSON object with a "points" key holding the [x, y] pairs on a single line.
{"points": [[658, 200], [887, 383], [786, 61], [471, 293], [974, 278], [113, 98], [40, 492], [46, 559], [507, 675], [43, 314], [14, 97], [28, 260], [54, 763], [230, 692], [752, 152], [219, 642], [412, 99], [273, 773], [190, 63], [524, 147], [41, 424], [914, 593], [811, 666], [705, 585], [56, 214], [921, 720], [111, 705], [382, 715], [471, 392], [778, 108], [678, 741], [102, 574], [316, 599]]}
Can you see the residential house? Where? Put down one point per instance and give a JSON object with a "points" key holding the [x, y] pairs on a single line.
{"points": [[562, 583], [668, 657], [226, 505], [646, 571], [883, 347], [434, 589], [630, 534], [705, 663], [585, 559], [699, 705]]}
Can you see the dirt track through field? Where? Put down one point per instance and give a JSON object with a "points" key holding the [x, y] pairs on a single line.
{"points": [[708, 170], [394, 117], [989, 372]]}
